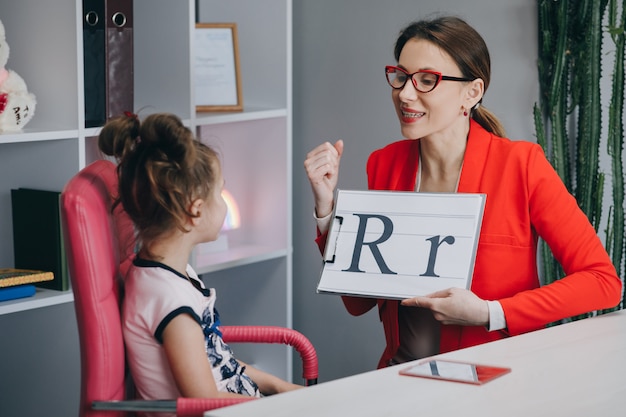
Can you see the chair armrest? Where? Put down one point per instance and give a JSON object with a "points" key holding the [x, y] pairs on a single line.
{"points": [[183, 407], [279, 335], [195, 407], [158, 406]]}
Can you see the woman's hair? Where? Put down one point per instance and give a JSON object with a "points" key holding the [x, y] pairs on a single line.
{"points": [[466, 47], [162, 169]]}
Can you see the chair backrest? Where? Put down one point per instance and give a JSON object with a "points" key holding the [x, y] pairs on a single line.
{"points": [[100, 247], [95, 256]]}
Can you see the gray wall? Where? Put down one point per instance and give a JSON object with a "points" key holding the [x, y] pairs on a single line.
{"points": [[340, 49], [40, 363]]}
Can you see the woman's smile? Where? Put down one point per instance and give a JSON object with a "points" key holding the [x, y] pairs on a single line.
{"points": [[410, 115]]}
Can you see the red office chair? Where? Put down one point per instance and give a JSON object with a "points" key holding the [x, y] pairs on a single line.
{"points": [[99, 245]]}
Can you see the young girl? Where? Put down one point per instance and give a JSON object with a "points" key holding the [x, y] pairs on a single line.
{"points": [[170, 185]]}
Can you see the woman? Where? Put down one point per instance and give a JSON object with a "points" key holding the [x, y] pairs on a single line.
{"points": [[455, 145]]}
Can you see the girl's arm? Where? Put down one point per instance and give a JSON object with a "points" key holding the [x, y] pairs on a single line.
{"points": [[183, 341], [268, 383]]}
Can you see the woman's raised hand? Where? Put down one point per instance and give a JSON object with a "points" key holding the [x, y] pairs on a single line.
{"points": [[322, 169]]}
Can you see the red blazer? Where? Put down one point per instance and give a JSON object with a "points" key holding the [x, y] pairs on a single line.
{"points": [[526, 199]]}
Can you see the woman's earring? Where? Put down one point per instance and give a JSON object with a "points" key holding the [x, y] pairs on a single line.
{"points": [[464, 112]]}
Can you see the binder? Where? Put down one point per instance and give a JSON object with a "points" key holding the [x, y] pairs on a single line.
{"points": [[108, 59], [37, 235], [94, 62]]}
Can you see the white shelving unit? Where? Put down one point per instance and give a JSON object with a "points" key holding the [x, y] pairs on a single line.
{"points": [[253, 276], [42, 298], [49, 151]]}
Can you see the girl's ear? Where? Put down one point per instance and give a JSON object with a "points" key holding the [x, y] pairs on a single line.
{"points": [[475, 91], [196, 211]]}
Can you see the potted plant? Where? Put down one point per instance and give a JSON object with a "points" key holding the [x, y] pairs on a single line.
{"points": [[576, 129]]}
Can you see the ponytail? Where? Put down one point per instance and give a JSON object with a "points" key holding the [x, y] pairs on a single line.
{"points": [[119, 135], [488, 121]]}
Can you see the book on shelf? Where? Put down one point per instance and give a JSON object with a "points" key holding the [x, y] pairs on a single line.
{"points": [[10, 277], [18, 291], [38, 236]]}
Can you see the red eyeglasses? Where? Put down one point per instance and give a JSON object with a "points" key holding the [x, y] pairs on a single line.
{"points": [[424, 81]]}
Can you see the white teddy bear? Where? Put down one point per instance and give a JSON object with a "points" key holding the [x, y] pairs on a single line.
{"points": [[17, 105]]}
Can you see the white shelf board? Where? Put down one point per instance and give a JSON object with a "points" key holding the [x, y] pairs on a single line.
{"points": [[36, 136], [248, 114], [237, 256], [42, 298]]}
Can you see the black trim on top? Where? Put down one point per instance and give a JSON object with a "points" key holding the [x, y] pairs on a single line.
{"points": [[146, 263], [158, 334]]}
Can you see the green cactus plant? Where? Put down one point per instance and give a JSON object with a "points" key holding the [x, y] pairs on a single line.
{"points": [[615, 139], [568, 117]]}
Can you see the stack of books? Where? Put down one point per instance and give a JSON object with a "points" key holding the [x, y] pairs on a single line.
{"points": [[19, 283]]}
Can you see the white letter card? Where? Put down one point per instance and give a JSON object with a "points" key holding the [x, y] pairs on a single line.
{"points": [[397, 244]]}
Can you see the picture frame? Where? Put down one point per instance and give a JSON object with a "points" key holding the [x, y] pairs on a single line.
{"points": [[216, 68]]}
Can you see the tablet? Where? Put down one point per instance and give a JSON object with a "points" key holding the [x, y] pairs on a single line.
{"points": [[449, 370]]}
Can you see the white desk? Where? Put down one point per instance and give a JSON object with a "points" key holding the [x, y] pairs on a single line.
{"points": [[575, 369]]}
